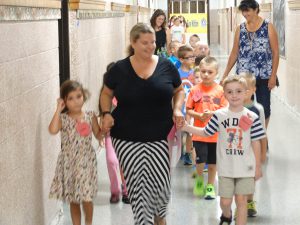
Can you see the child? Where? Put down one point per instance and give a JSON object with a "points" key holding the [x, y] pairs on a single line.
{"points": [[238, 164], [177, 31], [204, 99], [174, 46], [259, 110], [193, 40], [112, 161], [186, 57], [75, 179], [197, 76]]}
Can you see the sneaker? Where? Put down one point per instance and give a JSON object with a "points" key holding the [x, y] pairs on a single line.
{"points": [[205, 167], [194, 172], [210, 192], [199, 187], [188, 159], [224, 220], [251, 208], [114, 198]]}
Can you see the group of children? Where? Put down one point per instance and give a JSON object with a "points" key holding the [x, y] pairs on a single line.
{"points": [[228, 132], [227, 129]]}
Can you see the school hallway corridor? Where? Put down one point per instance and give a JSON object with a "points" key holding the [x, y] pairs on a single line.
{"points": [[276, 193]]}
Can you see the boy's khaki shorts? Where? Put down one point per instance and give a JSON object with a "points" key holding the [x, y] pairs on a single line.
{"points": [[228, 186]]}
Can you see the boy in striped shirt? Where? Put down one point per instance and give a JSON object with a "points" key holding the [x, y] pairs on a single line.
{"points": [[238, 149]]}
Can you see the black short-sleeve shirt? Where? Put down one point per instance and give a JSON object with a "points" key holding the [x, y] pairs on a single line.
{"points": [[144, 111]]}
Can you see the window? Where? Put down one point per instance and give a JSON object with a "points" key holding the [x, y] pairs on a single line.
{"points": [[201, 6], [193, 7], [176, 7], [185, 7]]}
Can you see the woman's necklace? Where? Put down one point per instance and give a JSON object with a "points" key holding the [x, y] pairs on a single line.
{"points": [[251, 37]]}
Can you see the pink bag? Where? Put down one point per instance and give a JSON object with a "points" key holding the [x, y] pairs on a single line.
{"points": [[174, 142]]}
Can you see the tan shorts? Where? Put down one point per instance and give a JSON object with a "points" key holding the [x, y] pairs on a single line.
{"points": [[228, 186]]}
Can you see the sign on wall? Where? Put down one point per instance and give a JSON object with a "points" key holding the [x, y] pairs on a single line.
{"points": [[197, 22]]}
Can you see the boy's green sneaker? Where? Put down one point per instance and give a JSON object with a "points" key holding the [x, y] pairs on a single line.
{"points": [[199, 186], [251, 208], [210, 192]]}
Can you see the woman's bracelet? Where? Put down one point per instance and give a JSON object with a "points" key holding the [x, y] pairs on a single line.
{"points": [[105, 112]]}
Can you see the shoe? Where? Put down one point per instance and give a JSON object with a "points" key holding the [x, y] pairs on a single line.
{"points": [[125, 199], [210, 192], [251, 208], [194, 172], [188, 159], [114, 198], [199, 186], [225, 220], [205, 168]]}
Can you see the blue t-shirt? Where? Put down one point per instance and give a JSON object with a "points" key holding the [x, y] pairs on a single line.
{"points": [[175, 61], [187, 85]]}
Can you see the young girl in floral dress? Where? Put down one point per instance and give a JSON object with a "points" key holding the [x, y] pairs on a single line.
{"points": [[75, 180]]}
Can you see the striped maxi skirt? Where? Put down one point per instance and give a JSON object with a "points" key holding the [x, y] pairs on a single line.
{"points": [[146, 168]]}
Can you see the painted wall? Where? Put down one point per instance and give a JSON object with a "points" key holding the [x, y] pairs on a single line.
{"points": [[29, 86]]}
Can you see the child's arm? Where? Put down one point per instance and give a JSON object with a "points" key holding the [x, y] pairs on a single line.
{"points": [[264, 146], [96, 128], [257, 153], [197, 115], [183, 38], [55, 124], [194, 130]]}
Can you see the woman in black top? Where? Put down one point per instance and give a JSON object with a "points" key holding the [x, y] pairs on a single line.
{"points": [[158, 22], [145, 86]]}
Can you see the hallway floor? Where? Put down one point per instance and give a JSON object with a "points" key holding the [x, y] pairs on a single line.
{"points": [[277, 193]]}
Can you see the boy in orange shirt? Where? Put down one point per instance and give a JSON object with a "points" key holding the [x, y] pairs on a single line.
{"points": [[205, 98]]}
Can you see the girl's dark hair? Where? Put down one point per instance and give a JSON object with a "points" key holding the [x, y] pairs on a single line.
{"points": [[108, 67], [156, 14], [136, 31], [184, 21], [245, 5], [69, 86]]}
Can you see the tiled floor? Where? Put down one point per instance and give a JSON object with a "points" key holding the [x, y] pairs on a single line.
{"points": [[277, 193]]}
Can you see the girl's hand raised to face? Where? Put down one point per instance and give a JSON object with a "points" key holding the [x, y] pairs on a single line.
{"points": [[60, 105]]}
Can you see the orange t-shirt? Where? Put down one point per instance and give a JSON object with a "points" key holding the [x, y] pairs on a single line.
{"points": [[202, 98]]}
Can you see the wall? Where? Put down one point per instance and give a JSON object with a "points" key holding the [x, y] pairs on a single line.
{"points": [[94, 44], [29, 86], [289, 66]]}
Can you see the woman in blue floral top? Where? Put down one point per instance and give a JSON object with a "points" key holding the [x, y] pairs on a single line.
{"points": [[255, 50]]}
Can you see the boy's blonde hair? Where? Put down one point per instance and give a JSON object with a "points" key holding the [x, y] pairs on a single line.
{"points": [[183, 50], [196, 70], [209, 60], [250, 78], [235, 78]]}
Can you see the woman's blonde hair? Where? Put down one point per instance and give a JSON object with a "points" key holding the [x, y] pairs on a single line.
{"points": [[136, 31]]}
